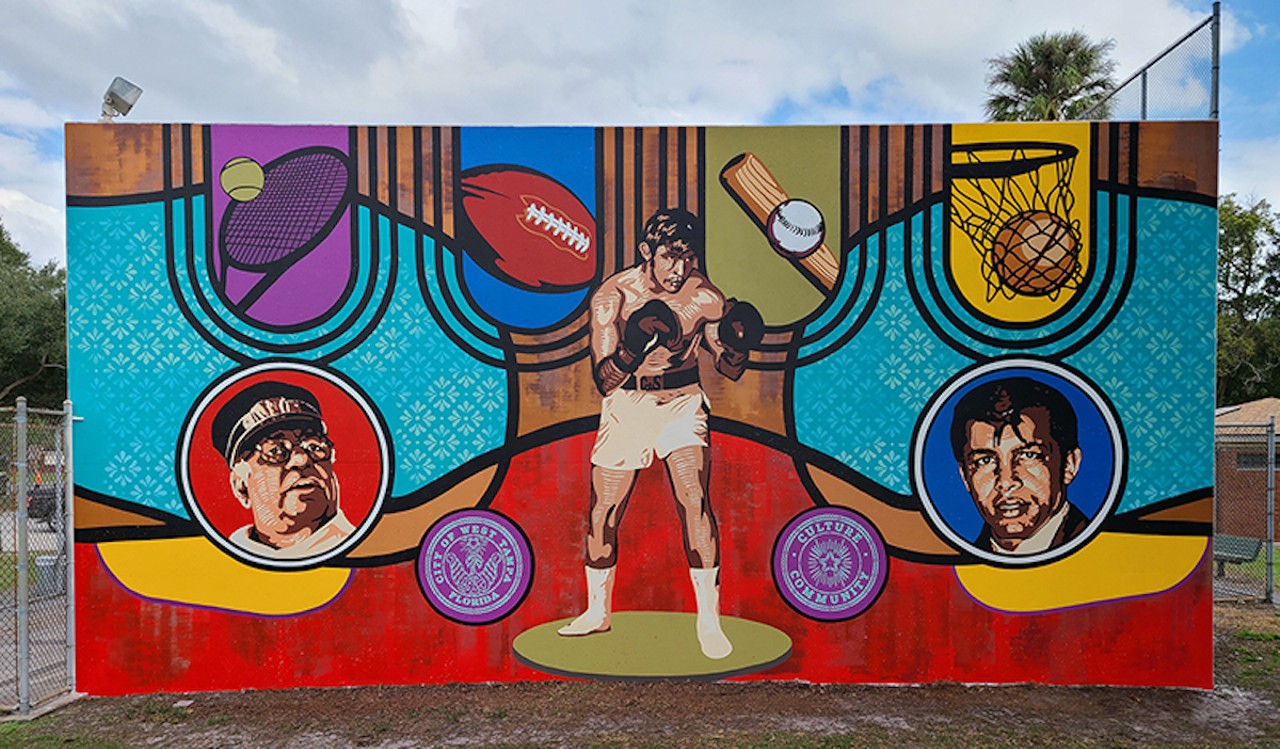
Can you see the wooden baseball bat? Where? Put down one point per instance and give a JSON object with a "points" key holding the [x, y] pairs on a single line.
{"points": [[754, 187]]}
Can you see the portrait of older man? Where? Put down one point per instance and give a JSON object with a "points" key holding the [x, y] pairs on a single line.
{"points": [[281, 469], [1016, 443]]}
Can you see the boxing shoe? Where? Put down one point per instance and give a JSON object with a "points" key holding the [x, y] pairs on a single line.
{"points": [[706, 590], [599, 605]]}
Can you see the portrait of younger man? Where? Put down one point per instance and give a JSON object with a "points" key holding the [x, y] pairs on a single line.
{"points": [[1016, 444]]}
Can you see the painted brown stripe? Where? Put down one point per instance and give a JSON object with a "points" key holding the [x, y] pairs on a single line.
{"points": [[105, 159], [651, 156], [606, 212], [445, 178], [384, 167], [404, 171], [897, 177]]}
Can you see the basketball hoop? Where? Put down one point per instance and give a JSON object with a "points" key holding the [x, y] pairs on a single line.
{"points": [[1014, 200]]}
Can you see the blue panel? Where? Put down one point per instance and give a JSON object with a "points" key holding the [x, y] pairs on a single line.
{"points": [[566, 153]]}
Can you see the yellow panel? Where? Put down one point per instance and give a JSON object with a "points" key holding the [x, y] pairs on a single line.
{"points": [[194, 571], [1112, 566], [966, 258]]}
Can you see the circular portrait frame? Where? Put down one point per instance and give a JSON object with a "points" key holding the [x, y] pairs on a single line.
{"points": [[204, 475], [1095, 488]]}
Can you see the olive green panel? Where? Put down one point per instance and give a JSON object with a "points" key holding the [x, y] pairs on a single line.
{"points": [[806, 163]]}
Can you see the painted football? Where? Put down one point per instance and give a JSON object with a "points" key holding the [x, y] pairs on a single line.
{"points": [[526, 228]]}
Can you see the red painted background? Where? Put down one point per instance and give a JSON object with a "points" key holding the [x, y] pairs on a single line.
{"points": [[380, 630]]}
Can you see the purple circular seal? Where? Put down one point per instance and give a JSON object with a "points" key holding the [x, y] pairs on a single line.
{"points": [[475, 566], [830, 563]]}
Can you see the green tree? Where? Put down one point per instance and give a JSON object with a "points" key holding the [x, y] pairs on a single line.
{"points": [[1248, 300], [33, 328], [1060, 76]]}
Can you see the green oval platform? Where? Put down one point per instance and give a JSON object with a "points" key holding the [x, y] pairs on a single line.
{"points": [[651, 645]]}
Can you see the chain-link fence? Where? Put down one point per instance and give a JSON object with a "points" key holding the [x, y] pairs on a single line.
{"points": [[34, 548], [1244, 527], [1180, 83]]}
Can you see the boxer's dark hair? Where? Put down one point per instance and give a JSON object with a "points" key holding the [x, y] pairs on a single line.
{"points": [[676, 228], [1000, 403]]}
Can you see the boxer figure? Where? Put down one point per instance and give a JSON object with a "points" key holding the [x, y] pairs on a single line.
{"points": [[647, 324]]}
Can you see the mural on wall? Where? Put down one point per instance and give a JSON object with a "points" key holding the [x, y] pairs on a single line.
{"points": [[842, 404]]}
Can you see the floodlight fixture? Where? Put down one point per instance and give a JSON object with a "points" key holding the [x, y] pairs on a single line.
{"points": [[120, 97]]}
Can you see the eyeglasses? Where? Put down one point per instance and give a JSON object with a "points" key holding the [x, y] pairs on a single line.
{"points": [[276, 451]]}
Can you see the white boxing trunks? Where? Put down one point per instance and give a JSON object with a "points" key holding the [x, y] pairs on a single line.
{"points": [[636, 425]]}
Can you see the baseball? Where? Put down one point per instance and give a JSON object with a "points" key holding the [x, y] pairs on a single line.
{"points": [[795, 228]]}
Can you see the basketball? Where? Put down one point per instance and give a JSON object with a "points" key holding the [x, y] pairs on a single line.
{"points": [[1036, 253], [241, 179]]}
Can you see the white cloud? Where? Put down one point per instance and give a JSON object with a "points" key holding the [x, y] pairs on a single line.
{"points": [[555, 62], [1248, 169], [38, 228]]}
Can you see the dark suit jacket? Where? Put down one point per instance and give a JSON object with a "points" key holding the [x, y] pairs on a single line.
{"points": [[1073, 525]]}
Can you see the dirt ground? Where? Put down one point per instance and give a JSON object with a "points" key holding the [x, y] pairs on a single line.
{"points": [[1244, 710]]}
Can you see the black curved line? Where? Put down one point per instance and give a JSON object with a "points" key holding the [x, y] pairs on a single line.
{"points": [[393, 275], [171, 263], [352, 320], [863, 316], [1005, 168], [1086, 318], [141, 198], [146, 511], [1069, 328], [424, 290], [821, 460], [513, 431]]}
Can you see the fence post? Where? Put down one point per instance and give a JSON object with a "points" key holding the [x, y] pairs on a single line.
{"points": [[1216, 33], [69, 533], [1271, 510], [1143, 89], [22, 563]]}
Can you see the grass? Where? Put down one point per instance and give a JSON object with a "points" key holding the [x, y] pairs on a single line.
{"points": [[156, 712], [9, 570], [33, 736], [1255, 571]]}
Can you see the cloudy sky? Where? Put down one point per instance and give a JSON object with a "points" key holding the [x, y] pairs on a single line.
{"points": [[476, 62]]}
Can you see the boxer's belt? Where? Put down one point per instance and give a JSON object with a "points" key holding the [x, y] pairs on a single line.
{"points": [[669, 381]]}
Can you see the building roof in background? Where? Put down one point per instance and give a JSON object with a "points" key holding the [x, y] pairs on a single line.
{"points": [[1253, 412]]}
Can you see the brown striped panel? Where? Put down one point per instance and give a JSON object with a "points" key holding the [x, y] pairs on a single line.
{"points": [[445, 176], [186, 168], [606, 210], [1101, 150], [895, 170], [888, 169], [360, 158], [933, 158], [643, 170], [385, 167], [114, 159], [406, 175], [1179, 156], [1113, 152]]}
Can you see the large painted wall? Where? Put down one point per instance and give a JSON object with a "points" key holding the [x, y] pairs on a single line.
{"points": [[842, 404]]}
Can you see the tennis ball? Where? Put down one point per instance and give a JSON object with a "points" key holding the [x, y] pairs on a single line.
{"points": [[241, 179]]}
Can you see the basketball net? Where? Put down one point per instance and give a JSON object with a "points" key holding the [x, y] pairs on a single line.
{"points": [[1000, 195]]}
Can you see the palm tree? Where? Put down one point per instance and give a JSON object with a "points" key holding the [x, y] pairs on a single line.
{"points": [[1059, 76]]}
